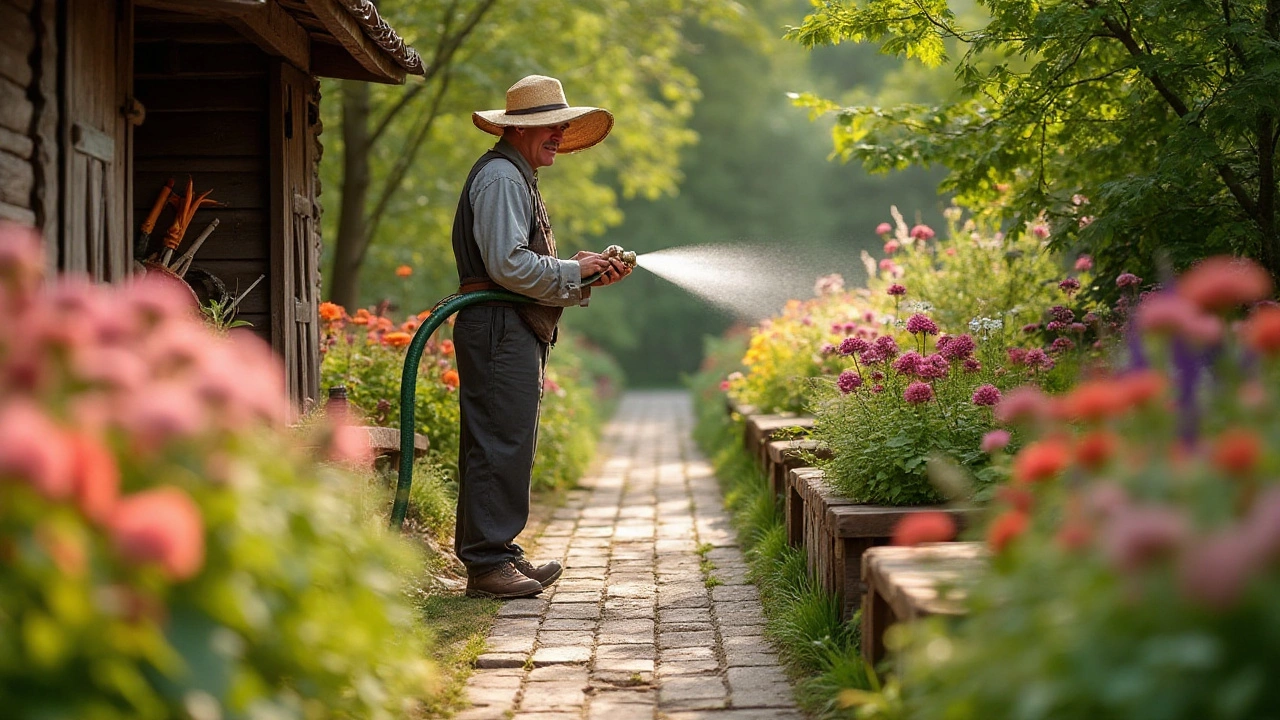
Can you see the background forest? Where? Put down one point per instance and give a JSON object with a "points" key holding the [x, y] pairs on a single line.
{"points": [[708, 149]]}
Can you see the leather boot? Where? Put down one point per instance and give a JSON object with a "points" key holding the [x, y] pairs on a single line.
{"points": [[502, 582], [545, 574]]}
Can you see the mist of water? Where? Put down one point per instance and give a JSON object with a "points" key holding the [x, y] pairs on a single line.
{"points": [[749, 280]]}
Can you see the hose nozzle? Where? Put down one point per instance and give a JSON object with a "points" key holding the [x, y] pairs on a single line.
{"points": [[616, 251]]}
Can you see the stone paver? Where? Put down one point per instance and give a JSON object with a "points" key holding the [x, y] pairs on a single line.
{"points": [[631, 631]]}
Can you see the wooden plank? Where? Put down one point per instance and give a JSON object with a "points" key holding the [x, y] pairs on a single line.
{"points": [[854, 520], [167, 94], [20, 215], [17, 144], [16, 109], [45, 160], [240, 235], [88, 140], [17, 179], [17, 41], [152, 27], [237, 276], [240, 191], [23, 6], [204, 8], [350, 35], [277, 33], [204, 135], [166, 164]]}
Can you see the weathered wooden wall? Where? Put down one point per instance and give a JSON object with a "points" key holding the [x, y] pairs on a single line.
{"points": [[17, 111], [206, 93]]}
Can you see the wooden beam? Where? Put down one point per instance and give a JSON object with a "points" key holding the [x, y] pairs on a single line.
{"points": [[204, 8], [274, 30], [350, 35], [333, 61]]}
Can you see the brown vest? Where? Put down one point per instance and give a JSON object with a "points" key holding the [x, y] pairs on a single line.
{"points": [[541, 319]]}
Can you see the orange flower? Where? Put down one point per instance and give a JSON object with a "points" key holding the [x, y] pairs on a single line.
{"points": [[1237, 451], [396, 339], [331, 312], [161, 526], [404, 271], [1006, 529], [1095, 449], [422, 316], [446, 347], [450, 378], [924, 527], [1041, 461], [409, 325], [362, 317], [1141, 387], [1223, 282], [383, 323], [1093, 401], [1262, 330], [95, 476]]}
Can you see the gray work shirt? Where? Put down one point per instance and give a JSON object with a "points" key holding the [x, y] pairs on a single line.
{"points": [[503, 207]]}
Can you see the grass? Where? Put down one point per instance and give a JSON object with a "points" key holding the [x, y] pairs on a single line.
{"points": [[459, 626], [820, 651]]}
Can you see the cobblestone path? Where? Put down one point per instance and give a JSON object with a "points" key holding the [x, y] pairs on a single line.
{"points": [[654, 616]]}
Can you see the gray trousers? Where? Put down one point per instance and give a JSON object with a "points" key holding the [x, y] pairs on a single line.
{"points": [[501, 364]]}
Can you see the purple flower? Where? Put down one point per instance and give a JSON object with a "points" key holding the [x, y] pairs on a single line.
{"points": [[871, 356], [1069, 286], [971, 365], [837, 328], [827, 349], [933, 367], [848, 381], [897, 290], [909, 363], [986, 396], [849, 327], [920, 323], [1062, 345], [957, 347], [1017, 356], [877, 388], [1039, 359], [1062, 314], [877, 375], [1078, 327], [851, 345], [1127, 280], [887, 346], [918, 392], [1055, 326], [1030, 328], [1090, 317]]}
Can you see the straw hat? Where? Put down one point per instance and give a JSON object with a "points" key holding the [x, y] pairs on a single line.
{"points": [[538, 101]]}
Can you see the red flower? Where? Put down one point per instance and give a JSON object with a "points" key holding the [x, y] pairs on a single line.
{"points": [[1237, 451], [1223, 282], [446, 347], [1041, 461], [404, 271], [924, 527], [1095, 449], [1094, 401], [161, 526], [1018, 498], [1262, 330], [1006, 529]]}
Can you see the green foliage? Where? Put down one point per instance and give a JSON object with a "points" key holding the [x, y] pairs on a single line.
{"points": [[169, 549], [1160, 114]]}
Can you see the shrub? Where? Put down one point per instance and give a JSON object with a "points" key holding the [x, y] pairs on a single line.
{"points": [[167, 553]]}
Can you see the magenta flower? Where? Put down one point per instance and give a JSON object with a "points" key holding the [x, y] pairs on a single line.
{"points": [[933, 367], [1023, 403], [986, 395], [877, 388], [849, 381], [851, 345], [1128, 280], [918, 393], [1040, 230], [909, 363], [892, 247], [1136, 535], [897, 290], [1062, 314], [1030, 328], [887, 347], [1069, 286], [877, 375], [1017, 356], [871, 356], [827, 349], [920, 323], [886, 265], [957, 347], [849, 327], [884, 228], [1077, 327], [922, 232], [971, 365], [995, 440], [1039, 359], [1090, 317], [1083, 263], [1055, 326]]}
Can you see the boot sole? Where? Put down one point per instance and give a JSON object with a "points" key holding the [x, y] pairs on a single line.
{"points": [[551, 580]]}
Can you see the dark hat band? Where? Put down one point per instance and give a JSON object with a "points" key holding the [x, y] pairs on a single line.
{"points": [[538, 109]]}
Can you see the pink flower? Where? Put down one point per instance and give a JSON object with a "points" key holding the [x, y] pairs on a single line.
{"points": [[957, 347], [1084, 263], [877, 375], [1040, 230], [887, 265], [1021, 404], [927, 526], [851, 345], [995, 440], [933, 367], [1222, 282], [1167, 313], [1062, 344], [1128, 280], [896, 290], [1062, 314], [724, 385], [871, 356], [1030, 328], [884, 228], [922, 232], [161, 526], [920, 323], [972, 365], [892, 247], [827, 349], [986, 396], [95, 476], [848, 381], [877, 388], [1038, 359], [1136, 535], [908, 363], [887, 347], [1077, 327], [1055, 326], [918, 393], [1069, 286], [35, 450], [1215, 571], [1017, 356], [163, 412]]}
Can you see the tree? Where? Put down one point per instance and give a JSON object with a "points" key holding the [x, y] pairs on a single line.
{"points": [[1139, 128], [405, 151]]}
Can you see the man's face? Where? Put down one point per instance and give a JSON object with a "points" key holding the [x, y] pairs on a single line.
{"points": [[539, 144]]}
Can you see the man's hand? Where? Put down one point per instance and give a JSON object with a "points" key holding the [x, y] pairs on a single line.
{"points": [[612, 270]]}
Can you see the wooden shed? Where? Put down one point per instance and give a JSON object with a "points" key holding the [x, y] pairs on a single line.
{"points": [[102, 101]]}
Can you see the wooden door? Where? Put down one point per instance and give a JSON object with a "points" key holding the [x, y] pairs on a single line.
{"points": [[97, 75], [295, 255]]}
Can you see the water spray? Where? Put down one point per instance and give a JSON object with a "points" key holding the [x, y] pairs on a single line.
{"points": [[413, 359]]}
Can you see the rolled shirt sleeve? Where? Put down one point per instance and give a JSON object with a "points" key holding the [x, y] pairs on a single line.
{"points": [[503, 208]]}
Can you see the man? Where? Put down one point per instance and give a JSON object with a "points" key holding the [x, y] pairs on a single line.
{"points": [[502, 239]]}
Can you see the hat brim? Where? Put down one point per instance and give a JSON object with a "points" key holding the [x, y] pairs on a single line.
{"points": [[588, 125]]}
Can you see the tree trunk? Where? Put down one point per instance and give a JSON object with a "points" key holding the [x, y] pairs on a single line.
{"points": [[353, 230]]}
